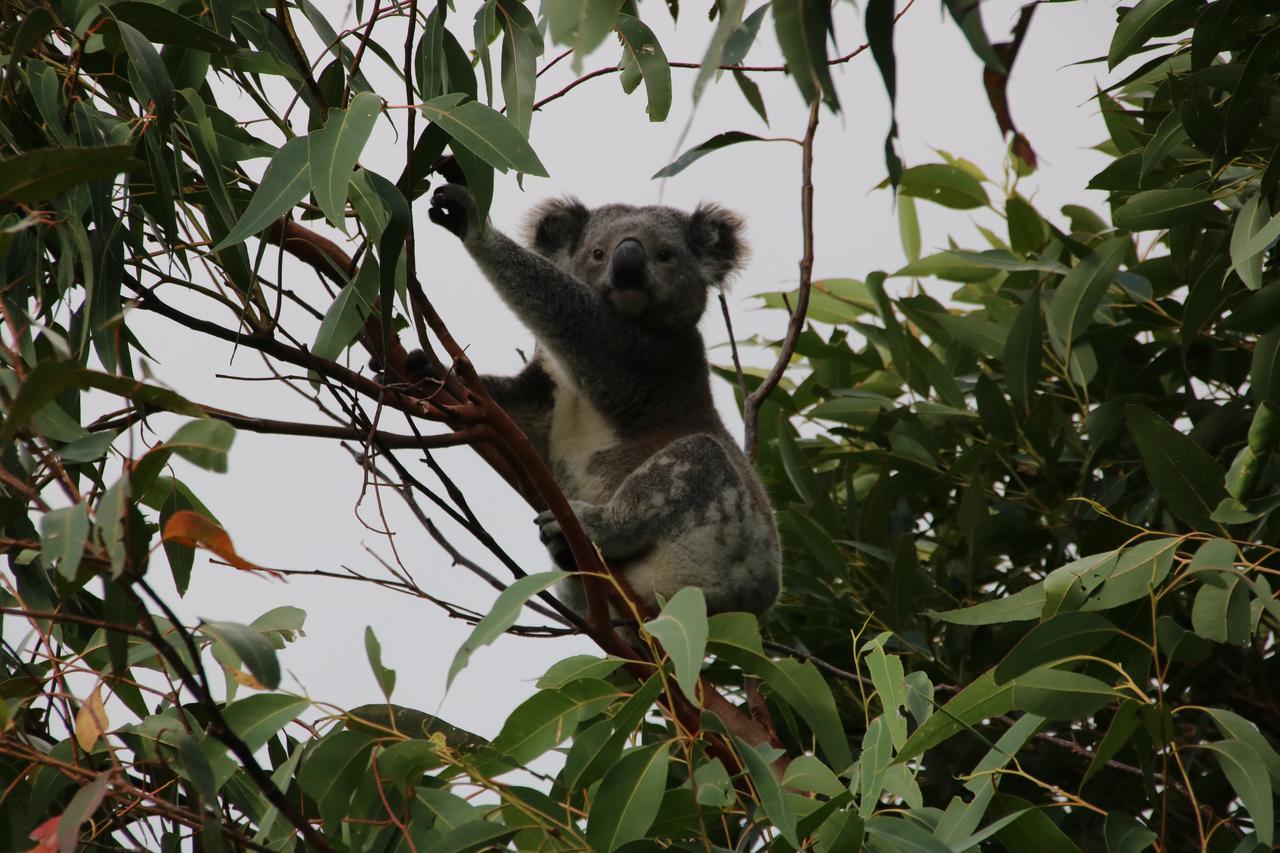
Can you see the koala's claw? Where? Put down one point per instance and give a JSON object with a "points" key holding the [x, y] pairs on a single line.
{"points": [[453, 207]]}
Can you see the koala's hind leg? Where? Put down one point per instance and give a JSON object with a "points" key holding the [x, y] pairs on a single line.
{"points": [[673, 522]]}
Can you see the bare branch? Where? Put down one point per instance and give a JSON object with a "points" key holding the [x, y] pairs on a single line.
{"points": [[751, 406]]}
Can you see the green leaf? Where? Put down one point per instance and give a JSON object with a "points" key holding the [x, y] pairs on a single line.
{"points": [[39, 175], [1027, 229], [163, 26], [336, 149], [1023, 351], [1249, 221], [720, 140], [63, 534], [1057, 694], [895, 337], [903, 836], [1137, 571], [1221, 612], [729, 20], [1138, 25], [976, 333], [333, 769], [801, 27], [759, 761], [751, 91], [506, 608], [628, 798], [35, 25], [112, 509], [806, 773], [1080, 292], [909, 228], [1126, 834], [251, 647], [1236, 727], [943, 184], [346, 317], [151, 75], [1019, 607], [643, 49], [580, 24], [890, 683], [285, 182], [521, 46], [1188, 479], [1248, 776], [474, 835], [1155, 209], [404, 763], [548, 717], [385, 676], [485, 132], [80, 809], [681, 628], [1032, 830], [879, 22], [91, 448], [256, 718], [1264, 371], [195, 766], [575, 667], [735, 637], [795, 464], [1064, 635], [981, 699], [204, 442]]}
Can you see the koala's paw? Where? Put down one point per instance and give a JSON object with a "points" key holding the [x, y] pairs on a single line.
{"points": [[454, 207], [419, 369], [552, 535]]}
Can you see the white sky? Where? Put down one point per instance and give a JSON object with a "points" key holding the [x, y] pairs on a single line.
{"points": [[288, 502]]}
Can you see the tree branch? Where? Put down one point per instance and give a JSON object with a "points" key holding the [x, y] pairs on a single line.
{"points": [[751, 406]]}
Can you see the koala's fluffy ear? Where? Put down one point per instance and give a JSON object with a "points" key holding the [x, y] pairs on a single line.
{"points": [[554, 228], [716, 236]]}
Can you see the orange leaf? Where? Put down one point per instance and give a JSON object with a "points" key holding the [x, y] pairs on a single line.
{"points": [[91, 720], [196, 531], [47, 834]]}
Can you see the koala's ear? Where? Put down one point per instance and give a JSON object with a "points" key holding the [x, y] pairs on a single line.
{"points": [[716, 236], [554, 228]]}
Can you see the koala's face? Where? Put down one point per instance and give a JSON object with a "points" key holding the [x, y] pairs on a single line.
{"points": [[653, 265]]}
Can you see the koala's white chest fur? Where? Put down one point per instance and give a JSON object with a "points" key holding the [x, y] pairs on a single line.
{"points": [[578, 432]]}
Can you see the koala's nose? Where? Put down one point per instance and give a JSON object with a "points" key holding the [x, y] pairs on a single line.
{"points": [[629, 264]]}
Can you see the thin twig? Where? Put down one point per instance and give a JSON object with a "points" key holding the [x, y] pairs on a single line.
{"points": [[751, 406]]}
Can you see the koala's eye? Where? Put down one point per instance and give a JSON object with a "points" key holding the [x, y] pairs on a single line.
{"points": [[665, 255], [597, 254]]}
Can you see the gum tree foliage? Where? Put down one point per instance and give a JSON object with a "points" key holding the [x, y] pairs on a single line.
{"points": [[1030, 530]]}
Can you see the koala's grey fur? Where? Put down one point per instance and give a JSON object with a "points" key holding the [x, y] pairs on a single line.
{"points": [[617, 396]]}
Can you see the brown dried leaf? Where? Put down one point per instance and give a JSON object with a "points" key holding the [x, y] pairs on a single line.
{"points": [[197, 531], [91, 720]]}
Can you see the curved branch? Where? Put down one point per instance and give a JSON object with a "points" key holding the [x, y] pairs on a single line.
{"points": [[751, 406]]}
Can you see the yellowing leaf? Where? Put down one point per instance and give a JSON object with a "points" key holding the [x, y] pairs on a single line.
{"points": [[91, 720], [196, 531]]}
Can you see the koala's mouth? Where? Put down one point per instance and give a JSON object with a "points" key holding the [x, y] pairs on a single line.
{"points": [[628, 301]]}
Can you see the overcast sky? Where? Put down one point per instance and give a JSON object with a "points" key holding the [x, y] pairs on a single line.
{"points": [[291, 502]]}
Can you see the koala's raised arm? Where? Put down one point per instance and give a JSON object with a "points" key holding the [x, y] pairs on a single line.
{"points": [[545, 296], [617, 279]]}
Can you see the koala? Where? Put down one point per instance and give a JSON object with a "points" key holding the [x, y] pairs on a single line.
{"points": [[617, 396]]}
